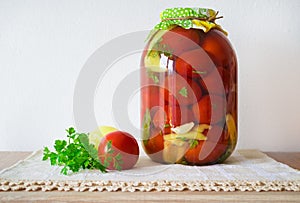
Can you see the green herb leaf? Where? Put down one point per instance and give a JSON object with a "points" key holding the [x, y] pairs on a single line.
{"points": [[182, 138], [193, 143], [184, 162], [71, 130], [183, 92], [60, 145], [146, 126], [64, 170], [200, 72], [53, 158], [152, 76], [163, 49], [167, 125], [74, 155], [46, 153]]}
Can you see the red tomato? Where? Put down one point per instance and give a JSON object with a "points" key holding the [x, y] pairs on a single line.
{"points": [[209, 151], [122, 143], [195, 64], [179, 40], [208, 105], [182, 90], [180, 115], [154, 145], [173, 115], [219, 47], [160, 118], [226, 77], [150, 97], [216, 82]]}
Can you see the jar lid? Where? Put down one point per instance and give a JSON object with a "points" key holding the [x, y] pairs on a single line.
{"points": [[198, 18]]}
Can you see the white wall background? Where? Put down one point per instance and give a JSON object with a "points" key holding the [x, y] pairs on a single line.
{"points": [[44, 44]]}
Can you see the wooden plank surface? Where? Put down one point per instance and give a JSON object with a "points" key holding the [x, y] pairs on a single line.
{"points": [[172, 197], [291, 158], [7, 159]]}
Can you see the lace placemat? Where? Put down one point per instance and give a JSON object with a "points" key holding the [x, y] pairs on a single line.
{"points": [[245, 170]]}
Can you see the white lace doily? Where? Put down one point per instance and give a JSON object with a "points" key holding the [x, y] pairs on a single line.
{"points": [[245, 170]]}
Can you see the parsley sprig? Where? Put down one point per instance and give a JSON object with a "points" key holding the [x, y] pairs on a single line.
{"points": [[74, 154], [153, 76], [183, 91], [192, 142]]}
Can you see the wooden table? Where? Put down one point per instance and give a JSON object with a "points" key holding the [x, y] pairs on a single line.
{"points": [[290, 158]]}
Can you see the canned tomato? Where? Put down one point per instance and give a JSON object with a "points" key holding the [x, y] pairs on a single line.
{"points": [[189, 89]]}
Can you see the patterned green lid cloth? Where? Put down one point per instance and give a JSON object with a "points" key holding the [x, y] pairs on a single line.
{"points": [[198, 18]]}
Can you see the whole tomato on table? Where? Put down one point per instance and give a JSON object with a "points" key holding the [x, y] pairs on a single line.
{"points": [[119, 150]]}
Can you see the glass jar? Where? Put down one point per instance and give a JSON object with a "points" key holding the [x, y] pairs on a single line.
{"points": [[188, 89]]}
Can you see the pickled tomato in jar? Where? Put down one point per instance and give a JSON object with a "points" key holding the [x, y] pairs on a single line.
{"points": [[188, 89]]}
